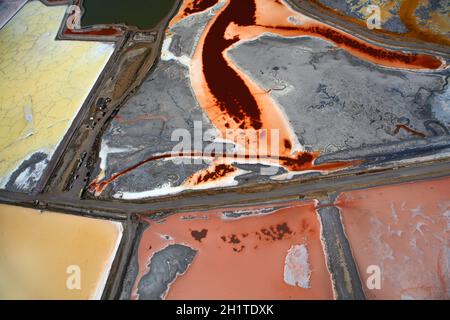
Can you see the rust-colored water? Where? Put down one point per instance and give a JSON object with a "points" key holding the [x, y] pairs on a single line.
{"points": [[110, 31], [240, 258]]}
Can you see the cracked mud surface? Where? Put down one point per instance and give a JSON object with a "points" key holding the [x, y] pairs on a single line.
{"points": [[44, 83]]}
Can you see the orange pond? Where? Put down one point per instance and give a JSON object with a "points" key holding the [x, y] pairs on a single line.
{"points": [[253, 257], [43, 253], [403, 229]]}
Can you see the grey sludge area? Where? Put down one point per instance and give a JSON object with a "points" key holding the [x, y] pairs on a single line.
{"points": [[335, 101], [143, 128], [165, 266], [27, 175]]}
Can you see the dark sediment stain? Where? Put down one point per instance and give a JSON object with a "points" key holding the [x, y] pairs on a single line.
{"points": [[234, 239], [277, 232], [219, 171], [287, 144], [199, 235], [270, 233]]}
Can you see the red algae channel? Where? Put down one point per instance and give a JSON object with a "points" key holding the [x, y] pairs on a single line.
{"points": [[243, 257], [221, 167], [403, 230], [107, 31]]}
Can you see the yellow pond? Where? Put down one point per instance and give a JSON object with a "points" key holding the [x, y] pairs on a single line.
{"points": [[43, 82]]}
